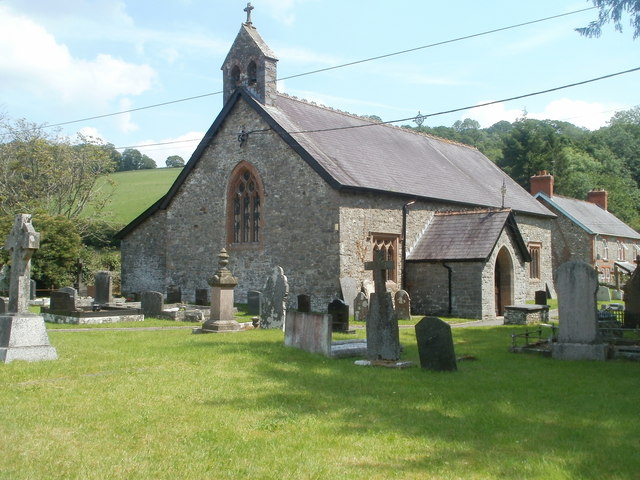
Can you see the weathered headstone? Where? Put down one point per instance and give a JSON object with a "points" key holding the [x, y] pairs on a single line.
{"points": [[222, 283], [152, 303], [71, 291], [32, 290], [254, 297], [274, 300], [350, 288], [202, 296], [60, 301], [540, 297], [604, 294], [23, 335], [360, 307], [403, 305], [632, 300], [383, 336], [339, 313], [579, 338], [104, 288], [304, 303], [308, 331], [435, 345], [174, 294]]}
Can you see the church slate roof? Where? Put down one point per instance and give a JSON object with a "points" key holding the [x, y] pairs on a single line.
{"points": [[465, 236], [590, 217]]}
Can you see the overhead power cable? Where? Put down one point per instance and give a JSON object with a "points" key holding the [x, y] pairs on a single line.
{"points": [[356, 62]]}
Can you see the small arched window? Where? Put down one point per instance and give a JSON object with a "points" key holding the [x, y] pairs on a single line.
{"points": [[235, 77], [245, 202], [252, 73]]}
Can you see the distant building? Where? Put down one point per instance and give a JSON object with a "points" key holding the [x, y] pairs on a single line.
{"points": [[587, 231]]}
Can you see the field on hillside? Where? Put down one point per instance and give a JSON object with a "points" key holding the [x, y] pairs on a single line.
{"points": [[167, 404], [135, 191]]}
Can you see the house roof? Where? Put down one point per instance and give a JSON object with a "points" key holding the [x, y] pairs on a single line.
{"points": [[465, 236], [589, 216], [353, 153]]}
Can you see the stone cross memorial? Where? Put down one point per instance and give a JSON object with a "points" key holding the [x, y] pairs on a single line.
{"points": [[383, 336], [23, 335], [222, 311]]}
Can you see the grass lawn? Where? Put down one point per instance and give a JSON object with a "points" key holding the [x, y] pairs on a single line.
{"points": [[167, 404]]}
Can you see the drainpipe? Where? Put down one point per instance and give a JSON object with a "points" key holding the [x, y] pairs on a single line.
{"points": [[404, 243], [450, 285]]}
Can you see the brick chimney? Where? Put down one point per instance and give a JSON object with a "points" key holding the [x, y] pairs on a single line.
{"points": [[542, 182], [599, 197]]}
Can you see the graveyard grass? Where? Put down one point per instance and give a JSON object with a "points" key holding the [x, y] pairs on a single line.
{"points": [[167, 404]]}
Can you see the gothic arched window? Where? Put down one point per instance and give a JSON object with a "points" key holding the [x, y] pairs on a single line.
{"points": [[245, 201], [235, 77], [252, 73]]}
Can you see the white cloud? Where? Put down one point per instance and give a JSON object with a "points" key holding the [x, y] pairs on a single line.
{"points": [[125, 125], [33, 62]]}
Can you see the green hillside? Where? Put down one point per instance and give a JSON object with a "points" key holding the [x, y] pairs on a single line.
{"points": [[137, 190]]}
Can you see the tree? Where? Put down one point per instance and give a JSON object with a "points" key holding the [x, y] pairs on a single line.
{"points": [[132, 159], [613, 11], [45, 172], [174, 161]]}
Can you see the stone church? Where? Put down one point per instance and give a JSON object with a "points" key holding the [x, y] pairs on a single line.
{"points": [[279, 181]]}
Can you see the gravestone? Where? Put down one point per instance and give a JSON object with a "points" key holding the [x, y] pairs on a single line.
{"points": [[383, 336], [23, 335], [274, 300], [32, 290], [254, 298], [304, 303], [222, 283], [5, 278], [360, 307], [350, 288], [4, 304], [540, 297], [339, 313], [60, 301], [632, 300], [604, 294], [104, 288], [368, 287], [435, 345], [579, 338], [152, 303], [202, 296], [403, 305], [71, 291], [174, 294], [308, 331]]}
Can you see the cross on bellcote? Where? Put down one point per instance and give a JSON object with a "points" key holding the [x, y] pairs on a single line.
{"points": [[248, 10], [379, 265]]}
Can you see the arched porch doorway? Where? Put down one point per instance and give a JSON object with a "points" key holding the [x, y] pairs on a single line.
{"points": [[503, 281]]}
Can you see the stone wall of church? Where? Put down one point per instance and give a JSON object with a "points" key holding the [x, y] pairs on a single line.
{"points": [[539, 230], [143, 257], [299, 213]]}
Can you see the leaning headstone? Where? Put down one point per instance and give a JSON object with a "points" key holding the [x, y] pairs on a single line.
{"points": [[304, 303], [579, 338], [202, 296], [435, 345], [632, 300], [604, 294], [403, 305], [274, 300], [60, 301], [253, 302], [152, 303], [540, 297], [383, 336], [104, 288], [360, 307], [308, 331], [23, 335], [339, 313], [174, 294], [350, 288], [222, 283]]}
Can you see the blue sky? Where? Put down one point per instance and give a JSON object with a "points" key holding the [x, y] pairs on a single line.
{"points": [[67, 60]]}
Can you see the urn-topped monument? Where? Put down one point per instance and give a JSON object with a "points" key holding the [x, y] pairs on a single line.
{"points": [[222, 311]]}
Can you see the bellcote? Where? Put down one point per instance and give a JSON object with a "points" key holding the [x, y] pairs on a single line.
{"points": [[251, 64]]}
